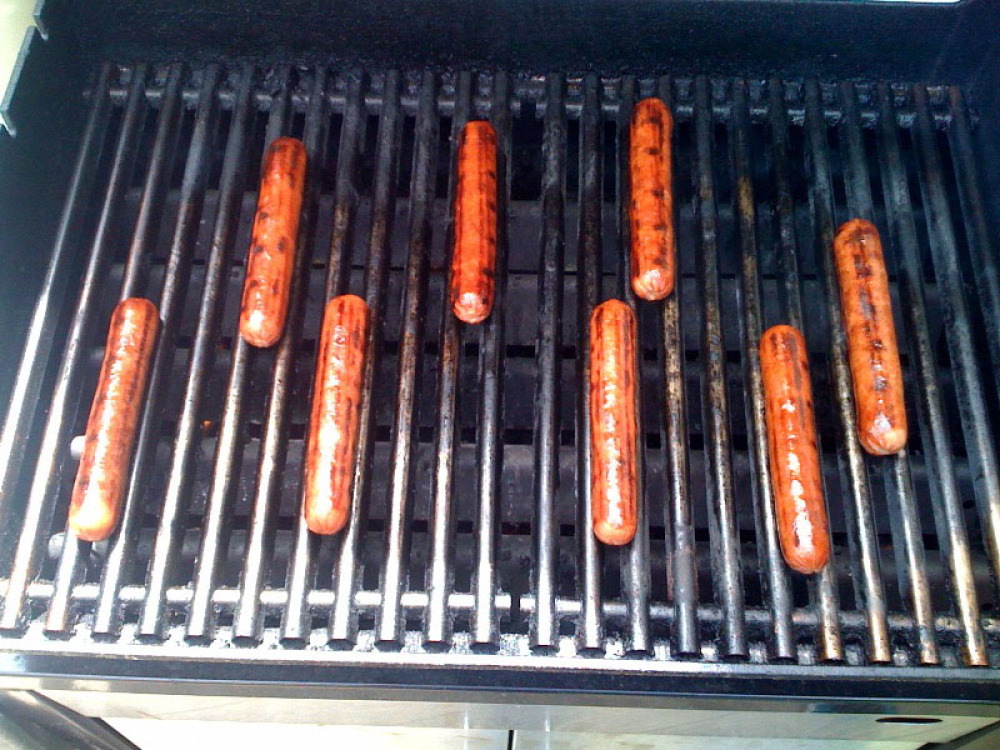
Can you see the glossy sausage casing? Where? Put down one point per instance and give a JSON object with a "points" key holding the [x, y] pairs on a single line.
{"points": [[613, 424], [333, 425], [474, 257], [871, 338], [651, 208], [794, 452], [114, 417], [272, 249]]}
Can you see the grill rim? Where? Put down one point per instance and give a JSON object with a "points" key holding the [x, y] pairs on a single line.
{"points": [[817, 688], [760, 38]]}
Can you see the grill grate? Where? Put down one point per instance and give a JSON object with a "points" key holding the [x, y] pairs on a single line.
{"points": [[469, 527]]}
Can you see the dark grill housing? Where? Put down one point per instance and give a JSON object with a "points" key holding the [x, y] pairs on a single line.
{"points": [[469, 534]]}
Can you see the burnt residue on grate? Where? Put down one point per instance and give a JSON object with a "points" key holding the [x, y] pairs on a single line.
{"points": [[470, 523]]}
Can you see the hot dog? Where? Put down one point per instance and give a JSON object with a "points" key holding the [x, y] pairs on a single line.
{"points": [[272, 249], [613, 424], [333, 426], [651, 209], [473, 260], [794, 452], [114, 415], [871, 338]]}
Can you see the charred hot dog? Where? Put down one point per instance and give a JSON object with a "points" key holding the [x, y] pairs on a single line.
{"points": [[272, 250], [651, 210], [114, 417], [473, 260], [334, 422], [613, 423], [794, 452], [871, 338]]}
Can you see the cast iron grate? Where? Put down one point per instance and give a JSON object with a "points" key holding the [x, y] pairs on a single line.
{"points": [[470, 532]]}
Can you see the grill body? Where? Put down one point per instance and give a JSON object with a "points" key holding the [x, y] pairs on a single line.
{"points": [[468, 562]]}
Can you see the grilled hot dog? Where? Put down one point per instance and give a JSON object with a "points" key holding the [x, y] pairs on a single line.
{"points": [[871, 338], [794, 453], [333, 425], [114, 415], [474, 257], [613, 425], [272, 250], [651, 210]]}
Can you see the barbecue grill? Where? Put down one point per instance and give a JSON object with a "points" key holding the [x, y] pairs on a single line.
{"points": [[467, 576]]}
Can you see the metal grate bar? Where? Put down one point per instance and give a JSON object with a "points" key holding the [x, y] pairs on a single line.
{"points": [[979, 439], [854, 473], [181, 469], [945, 496], [774, 576], [301, 567], [721, 499], [789, 288], [588, 282], [44, 325], [440, 574], [824, 585], [635, 555], [343, 619], [545, 625], [257, 556], [682, 575], [390, 627], [911, 564], [338, 269], [977, 233], [489, 457], [154, 189], [903, 514], [136, 266], [176, 278], [229, 446], [63, 404]]}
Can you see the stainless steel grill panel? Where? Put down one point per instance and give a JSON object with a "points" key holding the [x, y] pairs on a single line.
{"points": [[470, 523]]}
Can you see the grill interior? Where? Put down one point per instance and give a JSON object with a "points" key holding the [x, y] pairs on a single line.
{"points": [[466, 534]]}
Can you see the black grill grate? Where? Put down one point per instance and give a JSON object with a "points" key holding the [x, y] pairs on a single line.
{"points": [[469, 528]]}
